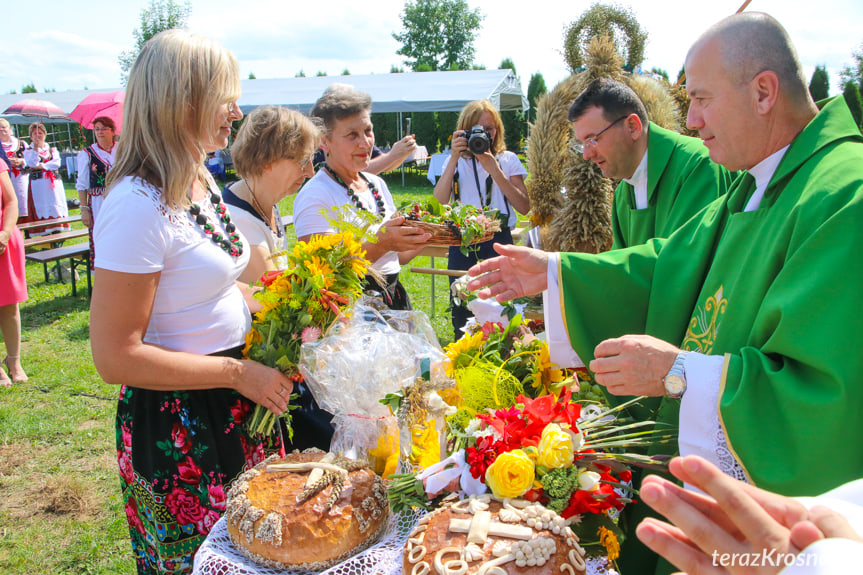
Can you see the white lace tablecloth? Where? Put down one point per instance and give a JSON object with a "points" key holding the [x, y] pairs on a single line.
{"points": [[218, 556]]}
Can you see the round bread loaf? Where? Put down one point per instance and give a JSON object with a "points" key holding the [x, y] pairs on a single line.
{"points": [[481, 534], [309, 510]]}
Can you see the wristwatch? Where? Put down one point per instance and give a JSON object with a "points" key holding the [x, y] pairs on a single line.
{"points": [[675, 380]]}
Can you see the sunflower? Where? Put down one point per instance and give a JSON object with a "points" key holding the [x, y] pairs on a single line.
{"points": [[464, 345]]}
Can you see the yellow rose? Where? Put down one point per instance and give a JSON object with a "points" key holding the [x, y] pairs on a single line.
{"points": [[555, 447], [511, 474]]}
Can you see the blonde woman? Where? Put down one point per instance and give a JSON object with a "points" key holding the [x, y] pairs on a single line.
{"points": [[272, 154], [47, 194], [169, 319], [493, 179]]}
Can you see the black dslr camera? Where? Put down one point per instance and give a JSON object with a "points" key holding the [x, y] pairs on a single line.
{"points": [[478, 140]]}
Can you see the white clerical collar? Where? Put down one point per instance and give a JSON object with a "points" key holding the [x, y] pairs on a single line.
{"points": [[763, 172], [639, 182]]}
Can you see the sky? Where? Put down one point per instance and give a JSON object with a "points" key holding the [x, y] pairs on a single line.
{"points": [[68, 48]]}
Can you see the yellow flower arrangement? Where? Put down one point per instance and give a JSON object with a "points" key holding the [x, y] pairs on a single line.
{"points": [[511, 474], [555, 449], [322, 282]]}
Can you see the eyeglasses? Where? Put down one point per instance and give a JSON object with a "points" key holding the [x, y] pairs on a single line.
{"points": [[305, 163], [593, 141]]}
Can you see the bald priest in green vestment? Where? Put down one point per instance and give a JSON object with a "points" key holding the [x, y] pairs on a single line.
{"points": [[665, 177], [747, 318]]}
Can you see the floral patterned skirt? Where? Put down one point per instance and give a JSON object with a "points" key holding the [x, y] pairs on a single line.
{"points": [[178, 453]]}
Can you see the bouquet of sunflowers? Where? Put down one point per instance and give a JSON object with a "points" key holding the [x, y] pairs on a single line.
{"points": [[323, 280]]}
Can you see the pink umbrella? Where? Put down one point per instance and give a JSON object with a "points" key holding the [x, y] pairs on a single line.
{"points": [[41, 108], [108, 104]]}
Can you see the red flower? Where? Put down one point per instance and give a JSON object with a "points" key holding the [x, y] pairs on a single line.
{"points": [[180, 436], [189, 471], [240, 410], [126, 471], [480, 457], [489, 328], [133, 517], [217, 496], [185, 507], [269, 277]]}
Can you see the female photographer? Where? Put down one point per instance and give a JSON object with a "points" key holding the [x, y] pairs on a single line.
{"points": [[487, 177]]}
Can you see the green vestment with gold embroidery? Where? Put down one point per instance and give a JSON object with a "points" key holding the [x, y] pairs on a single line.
{"points": [[776, 291], [681, 180]]}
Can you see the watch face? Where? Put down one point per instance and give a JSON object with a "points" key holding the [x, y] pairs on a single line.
{"points": [[675, 385]]}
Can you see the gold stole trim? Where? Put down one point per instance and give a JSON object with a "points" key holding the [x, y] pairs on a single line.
{"points": [[722, 422], [560, 295]]}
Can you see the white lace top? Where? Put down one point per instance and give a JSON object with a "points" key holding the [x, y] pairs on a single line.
{"points": [[198, 307]]}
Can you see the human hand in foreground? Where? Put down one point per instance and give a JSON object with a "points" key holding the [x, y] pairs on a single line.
{"points": [[404, 147], [517, 272], [397, 237], [633, 364], [734, 519], [265, 386]]}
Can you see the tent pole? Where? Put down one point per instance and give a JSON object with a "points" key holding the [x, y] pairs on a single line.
{"points": [[401, 135]]}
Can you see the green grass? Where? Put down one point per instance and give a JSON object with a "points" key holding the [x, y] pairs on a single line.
{"points": [[60, 507]]}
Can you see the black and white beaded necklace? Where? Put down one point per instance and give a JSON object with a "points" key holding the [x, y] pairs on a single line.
{"points": [[379, 202]]}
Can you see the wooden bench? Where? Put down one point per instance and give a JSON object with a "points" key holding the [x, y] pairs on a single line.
{"points": [[78, 254], [51, 239], [49, 222]]}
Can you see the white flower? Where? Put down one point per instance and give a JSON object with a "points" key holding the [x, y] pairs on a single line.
{"points": [[588, 480]]}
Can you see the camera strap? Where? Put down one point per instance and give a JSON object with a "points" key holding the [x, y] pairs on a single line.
{"points": [[489, 183]]}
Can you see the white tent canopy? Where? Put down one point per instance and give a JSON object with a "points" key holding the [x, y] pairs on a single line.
{"points": [[407, 92]]}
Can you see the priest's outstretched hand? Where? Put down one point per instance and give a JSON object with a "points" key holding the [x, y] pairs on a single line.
{"points": [[633, 364], [734, 520], [516, 272]]}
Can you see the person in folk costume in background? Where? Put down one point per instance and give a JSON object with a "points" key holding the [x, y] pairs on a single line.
{"points": [[169, 318], [493, 179], [47, 196], [14, 149], [93, 164]]}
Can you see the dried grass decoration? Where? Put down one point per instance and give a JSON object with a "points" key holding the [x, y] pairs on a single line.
{"points": [[453, 224]]}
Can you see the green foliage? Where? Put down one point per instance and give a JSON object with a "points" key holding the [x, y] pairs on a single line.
{"points": [[855, 103], [386, 129], [321, 73], [819, 85], [559, 484], [29, 89], [300, 74], [160, 15], [396, 69], [514, 124], [424, 126], [535, 89], [252, 76], [438, 34], [346, 72], [854, 72], [660, 72]]}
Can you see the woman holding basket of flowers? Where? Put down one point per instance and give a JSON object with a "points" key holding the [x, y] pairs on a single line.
{"points": [[481, 172], [169, 319], [342, 180]]}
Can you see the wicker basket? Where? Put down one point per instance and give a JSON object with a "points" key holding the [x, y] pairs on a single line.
{"points": [[442, 235]]}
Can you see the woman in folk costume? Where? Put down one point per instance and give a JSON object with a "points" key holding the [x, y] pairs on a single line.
{"points": [[93, 165], [47, 195], [14, 150]]}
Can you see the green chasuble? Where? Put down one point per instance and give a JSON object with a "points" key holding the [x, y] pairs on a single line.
{"points": [[681, 179], [776, 291]]}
